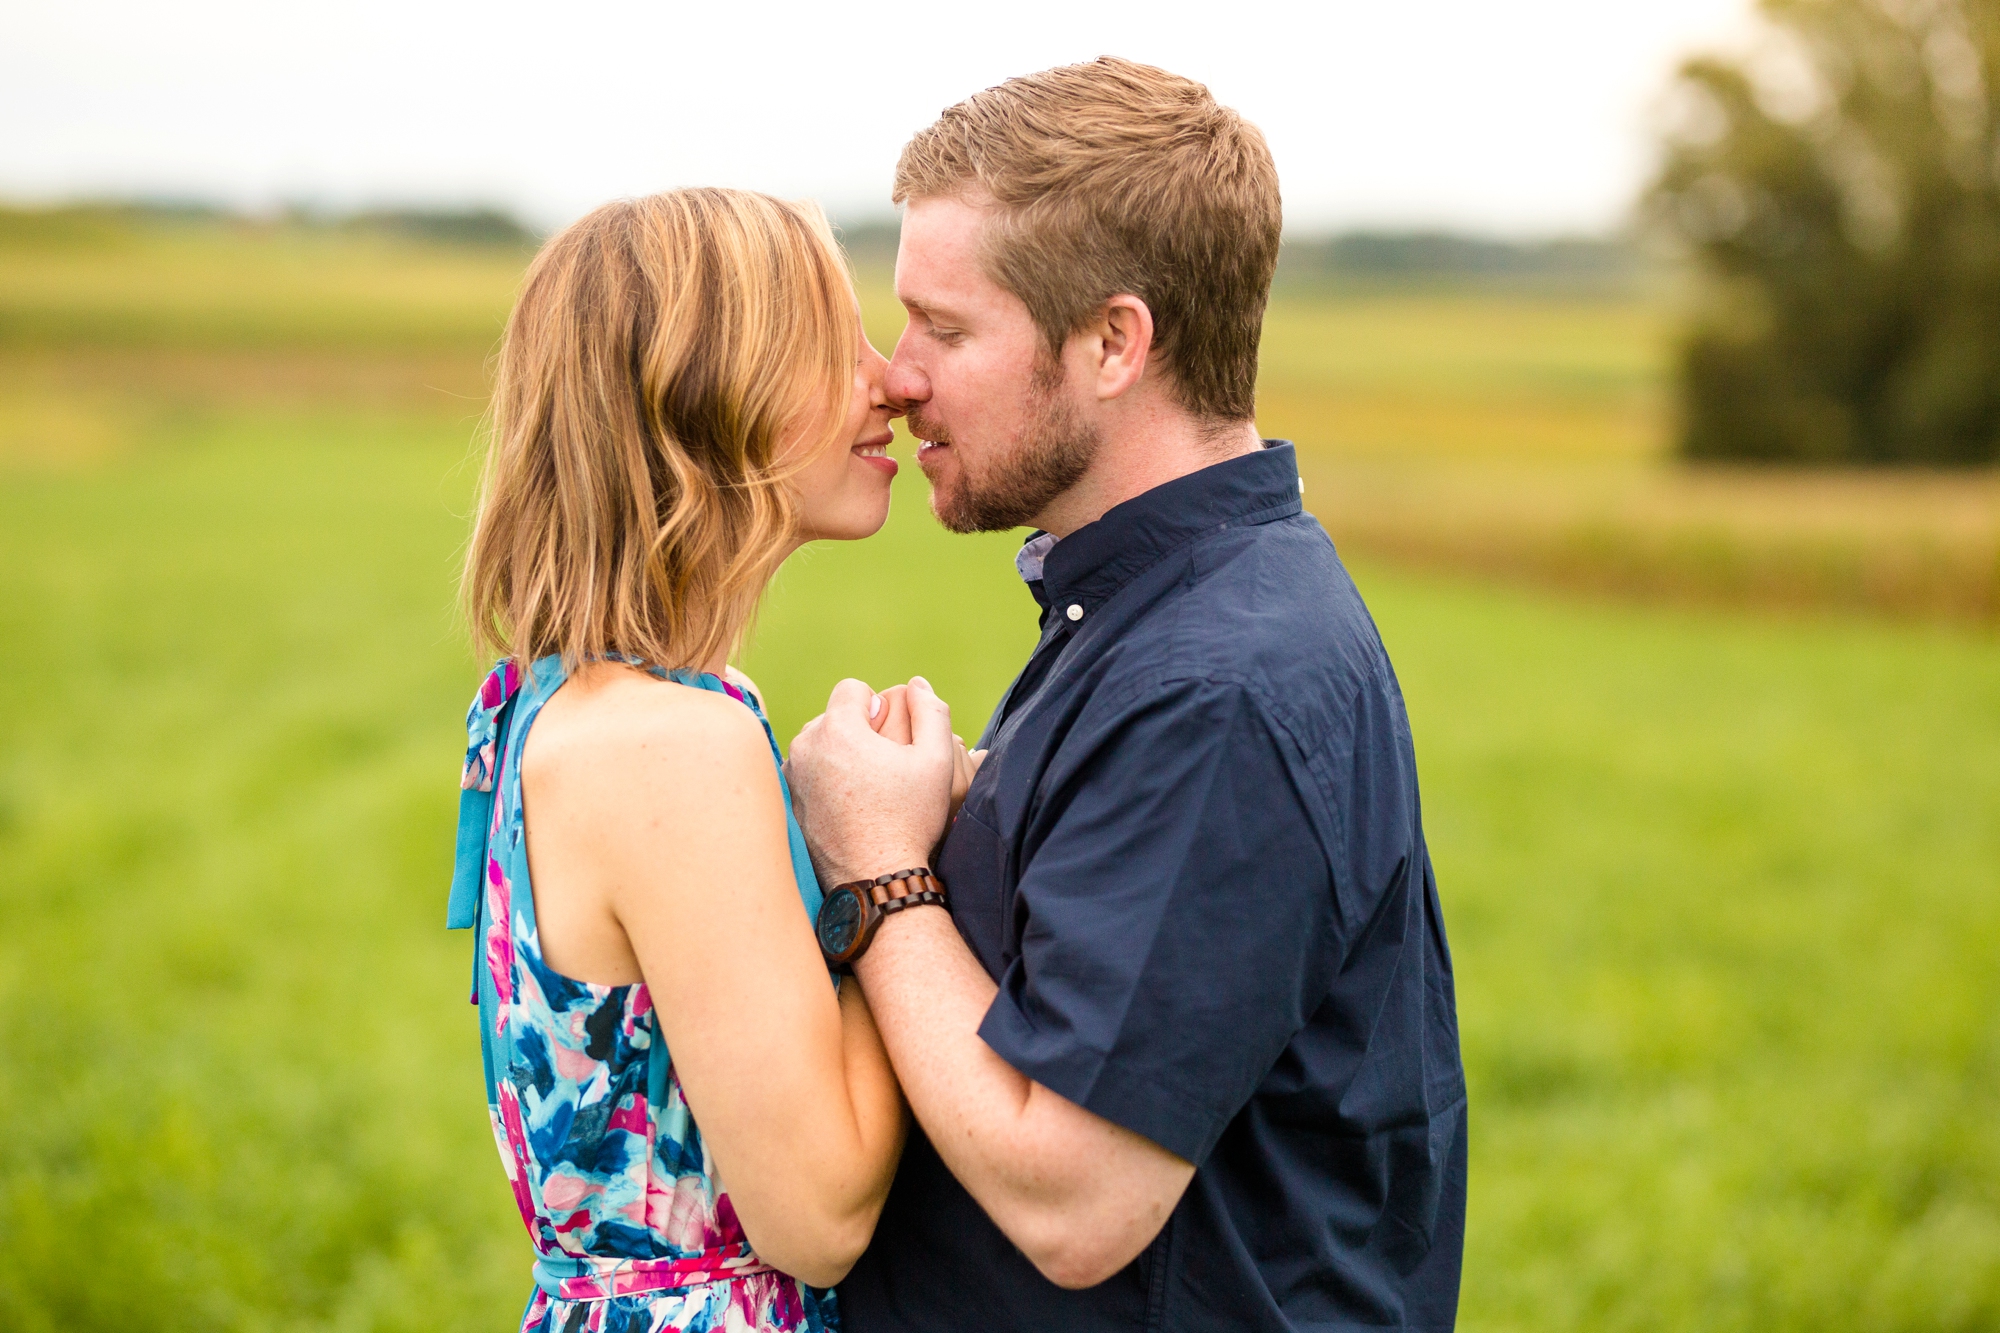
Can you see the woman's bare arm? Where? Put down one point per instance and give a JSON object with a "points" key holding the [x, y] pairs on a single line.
{"points": [[661, 808]]}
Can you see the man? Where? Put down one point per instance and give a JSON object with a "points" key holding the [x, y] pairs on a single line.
{"points": [[1183, 1053]]}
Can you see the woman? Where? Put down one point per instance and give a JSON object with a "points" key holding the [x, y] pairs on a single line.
{"points": [[684, 397]]}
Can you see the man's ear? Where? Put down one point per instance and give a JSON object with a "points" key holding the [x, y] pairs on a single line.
{"points": [[1124, 341]]}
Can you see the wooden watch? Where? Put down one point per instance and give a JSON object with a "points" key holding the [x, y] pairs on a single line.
{"points": [[851, 913]]}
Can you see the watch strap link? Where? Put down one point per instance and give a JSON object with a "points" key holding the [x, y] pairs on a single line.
{"points": [[921, 898], [916, 887]]}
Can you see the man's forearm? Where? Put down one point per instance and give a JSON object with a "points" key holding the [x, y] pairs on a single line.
{"points": [[1077, 1194], [929, 996]]}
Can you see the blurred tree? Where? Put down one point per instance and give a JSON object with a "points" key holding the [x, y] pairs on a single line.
{"points": [[447, 226], [1376, 259], [1839, 188]]}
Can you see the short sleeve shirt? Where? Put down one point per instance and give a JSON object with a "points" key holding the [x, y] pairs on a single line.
{"points": [[1194, 863]]}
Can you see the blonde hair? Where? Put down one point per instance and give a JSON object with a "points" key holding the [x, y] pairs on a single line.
{"points": [[663, 353], [1113, 177]]}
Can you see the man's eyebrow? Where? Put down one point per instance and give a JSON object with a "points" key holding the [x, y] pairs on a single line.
{"points": [[930, 310]]}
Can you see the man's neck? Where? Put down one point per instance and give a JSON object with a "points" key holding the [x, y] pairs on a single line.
{"points": [[1144, 451]]}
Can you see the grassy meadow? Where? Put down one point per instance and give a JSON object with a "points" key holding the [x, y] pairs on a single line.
{"points": [[1525, 436], [1721, 884]]}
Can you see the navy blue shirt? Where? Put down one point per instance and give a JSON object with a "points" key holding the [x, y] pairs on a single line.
{"points": [[1194, 863]]}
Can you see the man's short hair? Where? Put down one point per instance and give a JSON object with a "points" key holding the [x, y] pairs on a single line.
{"points": [[1113, 177]]}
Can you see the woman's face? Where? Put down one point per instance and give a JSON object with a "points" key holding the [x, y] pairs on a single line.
{"points": [[844, 493]]}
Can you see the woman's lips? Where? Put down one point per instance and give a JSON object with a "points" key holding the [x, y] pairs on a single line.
{"points": [[875, 453]]}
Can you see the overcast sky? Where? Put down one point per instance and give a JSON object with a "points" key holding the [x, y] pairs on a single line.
{"points": [[1522, 117]]}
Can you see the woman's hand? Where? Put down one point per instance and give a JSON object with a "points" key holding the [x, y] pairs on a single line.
{"points": [[889, 714], [891, 718], [962, 776]]}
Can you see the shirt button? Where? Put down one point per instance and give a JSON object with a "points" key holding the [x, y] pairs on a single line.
{"points": [[1075, 611]]}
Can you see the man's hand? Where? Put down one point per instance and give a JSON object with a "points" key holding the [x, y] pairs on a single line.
{"points": [[867, 804]]}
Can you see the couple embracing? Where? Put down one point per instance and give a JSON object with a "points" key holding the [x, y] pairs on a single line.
{"points": [[1139, 1015]]}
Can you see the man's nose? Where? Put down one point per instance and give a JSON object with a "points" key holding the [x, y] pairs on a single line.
{"points": [[904, 381]]}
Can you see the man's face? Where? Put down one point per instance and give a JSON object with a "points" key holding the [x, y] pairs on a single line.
{"points": [[1002, 434]]}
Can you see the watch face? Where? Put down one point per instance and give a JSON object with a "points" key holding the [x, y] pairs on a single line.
{"points": [[839, 921]]}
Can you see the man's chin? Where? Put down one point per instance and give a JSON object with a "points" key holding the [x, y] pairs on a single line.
{"points": [[957, 504], [950, 505], [948, 508], [947, 486]]}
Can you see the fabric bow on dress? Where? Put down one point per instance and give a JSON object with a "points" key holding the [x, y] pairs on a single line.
{"points": [[475, 800]]}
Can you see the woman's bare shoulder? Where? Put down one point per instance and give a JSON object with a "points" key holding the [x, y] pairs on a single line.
{"points": [[614, 722]]}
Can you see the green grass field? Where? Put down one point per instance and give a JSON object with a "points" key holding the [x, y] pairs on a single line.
{"points": [[1722, 888]]}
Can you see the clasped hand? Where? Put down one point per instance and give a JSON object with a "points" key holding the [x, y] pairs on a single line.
{"points": [[876, 779]]}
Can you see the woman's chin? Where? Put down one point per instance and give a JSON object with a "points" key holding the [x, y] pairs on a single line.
{"points": [[850, 527], [874, 523]]}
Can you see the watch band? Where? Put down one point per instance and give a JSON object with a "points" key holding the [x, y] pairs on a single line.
{"points": [[898, 889], [851, 912]]}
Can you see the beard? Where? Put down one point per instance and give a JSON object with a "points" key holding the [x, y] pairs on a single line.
{"points": [[1054, 447]]}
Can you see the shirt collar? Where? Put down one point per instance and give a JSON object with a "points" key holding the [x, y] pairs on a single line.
{"points": [[1088, 566], [1028, 560]]}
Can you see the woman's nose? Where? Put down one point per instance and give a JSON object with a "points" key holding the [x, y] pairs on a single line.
{"points": [[875, 373]]}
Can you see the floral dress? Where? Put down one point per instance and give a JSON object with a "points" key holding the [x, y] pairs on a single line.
{"points": [[608, 1168]]}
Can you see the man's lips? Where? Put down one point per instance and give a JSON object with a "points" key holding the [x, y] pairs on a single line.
{"points": [[930, 453], [929, 436]]}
